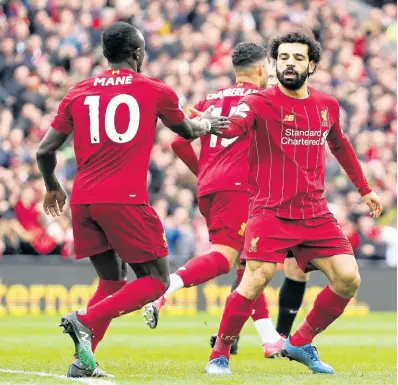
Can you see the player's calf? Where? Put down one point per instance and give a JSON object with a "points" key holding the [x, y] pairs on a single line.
{"points": [[255, 278], [196, 271]]}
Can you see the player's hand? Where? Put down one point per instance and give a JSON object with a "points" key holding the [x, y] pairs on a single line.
{"points": [[54, 202], [373, 201], [214, 123], [195, 112]]}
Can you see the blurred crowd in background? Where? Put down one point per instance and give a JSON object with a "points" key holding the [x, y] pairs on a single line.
{"points": [[47, 46]]}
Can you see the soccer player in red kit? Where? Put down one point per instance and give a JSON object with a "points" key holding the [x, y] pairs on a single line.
{"points": [[223, 193], [113, 117], [288, 126], [291, 293]]}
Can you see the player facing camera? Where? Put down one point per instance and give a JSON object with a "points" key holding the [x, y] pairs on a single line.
{"points": [[296, 55]]}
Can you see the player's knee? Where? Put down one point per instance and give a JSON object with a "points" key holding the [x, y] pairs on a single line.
{"points": [[348, 282], [256, 277]]}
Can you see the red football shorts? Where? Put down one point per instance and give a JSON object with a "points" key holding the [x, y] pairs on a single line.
{"points": [[226, 215], [269, 238], [133, 231]]}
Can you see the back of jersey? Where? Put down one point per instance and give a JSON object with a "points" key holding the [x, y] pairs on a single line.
{"points": [[113, 117], [224, 163]]}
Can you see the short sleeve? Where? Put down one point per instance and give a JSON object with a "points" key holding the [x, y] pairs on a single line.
{"points": [[169, 109], [63, 121]]}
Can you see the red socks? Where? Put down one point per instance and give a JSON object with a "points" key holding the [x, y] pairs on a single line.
{"points": [[260, 306], [203, 268], [239, 274], [131, 297], [328, 306], [104, 289], [236, 312]]}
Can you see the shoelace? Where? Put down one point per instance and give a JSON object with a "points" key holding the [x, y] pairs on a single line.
{"points": [[312, 353], [99, 373], [221, 361]]}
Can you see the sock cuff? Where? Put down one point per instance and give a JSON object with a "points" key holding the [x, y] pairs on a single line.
{"points": [[221, 261], [296, 284], [160, 287], [111, 286], [235, 296]]}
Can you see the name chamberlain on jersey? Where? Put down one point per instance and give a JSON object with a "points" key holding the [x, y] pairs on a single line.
{"points": [[231, 92]]}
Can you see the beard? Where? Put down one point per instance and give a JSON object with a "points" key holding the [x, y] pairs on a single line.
{"points": [[295, 82]]}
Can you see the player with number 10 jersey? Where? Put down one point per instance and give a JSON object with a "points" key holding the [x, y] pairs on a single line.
{"points": [[112, 161], [113, 116]]}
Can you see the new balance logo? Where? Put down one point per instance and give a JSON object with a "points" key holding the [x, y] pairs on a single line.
{"points": [[289, 118], [84, 336]]}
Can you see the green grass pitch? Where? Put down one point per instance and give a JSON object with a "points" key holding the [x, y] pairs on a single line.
{"points": [[361, 349]]}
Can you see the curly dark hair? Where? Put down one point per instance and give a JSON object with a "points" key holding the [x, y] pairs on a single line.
{"points": [[314, 47], [119, 41], [246, 53]]}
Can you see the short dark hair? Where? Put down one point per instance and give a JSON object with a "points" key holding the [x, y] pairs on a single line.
{"points": [[246, 53], [119, 41], [314, 47]]}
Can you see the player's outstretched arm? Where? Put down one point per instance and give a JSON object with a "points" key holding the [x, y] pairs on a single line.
{"points": [[194, 128], [174, 118], [55, 197], [238, 125], [184, 150], [341, 148]]}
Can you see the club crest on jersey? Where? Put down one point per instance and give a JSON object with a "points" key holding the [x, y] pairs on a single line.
{"points": [[289, 118], [253, 245], [324, 116], [117, 72], [242, 229]]}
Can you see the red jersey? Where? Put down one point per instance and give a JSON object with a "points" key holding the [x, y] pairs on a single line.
{"points": [[224, 163], [287, 157], [113, 117]]}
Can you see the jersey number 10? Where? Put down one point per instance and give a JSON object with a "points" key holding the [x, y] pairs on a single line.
{"points": [[224, 141], [93, 102]]}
